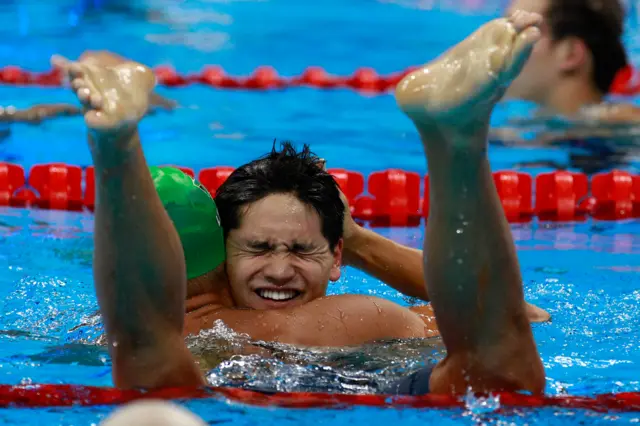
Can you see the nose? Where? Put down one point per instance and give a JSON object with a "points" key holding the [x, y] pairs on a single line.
{"points": [[279, 269]]}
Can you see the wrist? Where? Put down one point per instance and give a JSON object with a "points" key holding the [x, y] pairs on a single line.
{"points": [[110, 149]]}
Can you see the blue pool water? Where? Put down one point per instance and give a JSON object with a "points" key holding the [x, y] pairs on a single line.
{"points": [[215, 127], [586, 275]]}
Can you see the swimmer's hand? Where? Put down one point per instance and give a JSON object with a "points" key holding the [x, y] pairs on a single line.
{"points": [[349, 226], [113, 98], [104, 58], [100, 58]]}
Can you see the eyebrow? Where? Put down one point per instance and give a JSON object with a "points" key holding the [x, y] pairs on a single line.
{"points": [[258, 244], [267, 245]]}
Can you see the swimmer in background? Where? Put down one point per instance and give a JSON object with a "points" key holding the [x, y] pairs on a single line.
{"points": [[569, 74], [572, 67], [470, 263], [38, 113]]}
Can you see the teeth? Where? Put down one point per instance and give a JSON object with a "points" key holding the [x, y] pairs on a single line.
{"points": [[277, 294]]}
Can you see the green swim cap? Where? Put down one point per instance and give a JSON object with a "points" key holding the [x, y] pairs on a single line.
{"points": [[195, 216]]}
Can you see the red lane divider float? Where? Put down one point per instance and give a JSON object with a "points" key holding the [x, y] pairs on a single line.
{"points": [[562, 196], [39, 396], [627, 82], [262, 78], [393, 199]]}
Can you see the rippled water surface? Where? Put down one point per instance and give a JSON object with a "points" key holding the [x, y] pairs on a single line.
{"points": [[585, 275]]}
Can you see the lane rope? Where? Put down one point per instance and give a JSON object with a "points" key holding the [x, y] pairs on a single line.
{"points": [[56, 395], [366, 79], [262, 78], [386, 198]]}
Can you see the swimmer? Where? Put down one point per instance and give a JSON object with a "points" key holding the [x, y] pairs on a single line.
{"points": [[38, 113], [580, 52], [569, 74], [282, 247]]}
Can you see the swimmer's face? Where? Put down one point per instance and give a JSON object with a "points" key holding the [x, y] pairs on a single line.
{"points": [[538, 75], [278, 256]]}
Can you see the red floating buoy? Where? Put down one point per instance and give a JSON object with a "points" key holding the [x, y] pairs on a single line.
{"points": [[168, 76], [365, 79], [514, 190], [212, 178], [59, 186], [351, 184], [397, 198], [560, 196], [263, 78], [11, 179], [614, 195]]}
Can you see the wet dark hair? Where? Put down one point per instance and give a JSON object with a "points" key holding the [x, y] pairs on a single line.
{"points": [[284, 171], [600, 24]]}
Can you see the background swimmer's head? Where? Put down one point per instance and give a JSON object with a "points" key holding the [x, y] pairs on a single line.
{"points": [[195, 217], [580, 53], [283, 217]]}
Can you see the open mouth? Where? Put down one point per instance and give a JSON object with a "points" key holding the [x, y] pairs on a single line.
{"points": [[277, 295]]}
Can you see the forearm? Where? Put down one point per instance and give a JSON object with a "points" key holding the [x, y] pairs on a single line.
{"points": [[471, 260], [37, 113], [139, 267], [396, 265]]}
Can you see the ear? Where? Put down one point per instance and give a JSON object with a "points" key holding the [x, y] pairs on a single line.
{"points": [[337, 261], [572, 53]]}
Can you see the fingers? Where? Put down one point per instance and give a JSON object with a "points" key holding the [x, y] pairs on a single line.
{"points": [[88, 97], [60, 62]]}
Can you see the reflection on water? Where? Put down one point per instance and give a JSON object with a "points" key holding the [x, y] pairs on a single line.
{"points": [[592, 146]]}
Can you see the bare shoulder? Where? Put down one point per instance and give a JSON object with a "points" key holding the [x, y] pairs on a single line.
{"points": [[328, 321]]}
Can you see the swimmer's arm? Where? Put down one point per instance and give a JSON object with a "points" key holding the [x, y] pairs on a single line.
{"points": [[474, 277], [330, 321], [37, 113], [400, 267], [396, 265], [139, 270]]}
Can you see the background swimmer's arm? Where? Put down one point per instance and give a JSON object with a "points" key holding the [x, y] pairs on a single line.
{"points": [[37, 113], [328, 321], [139, 269], [396, 265]]}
